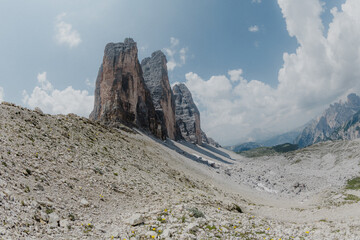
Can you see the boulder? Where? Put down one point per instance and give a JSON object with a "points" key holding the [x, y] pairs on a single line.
{"points": [[136, 219]]}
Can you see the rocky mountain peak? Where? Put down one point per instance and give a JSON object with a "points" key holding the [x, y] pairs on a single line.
{"points": [[353, 100], [157, 81], [333, 118], [140, 95], [121, 95], [114, 49], [187, 114]]}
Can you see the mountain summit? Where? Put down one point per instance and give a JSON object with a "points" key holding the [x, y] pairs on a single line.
{"points": [[332, 123], [140, 95], [157, 81], [121, 94]]}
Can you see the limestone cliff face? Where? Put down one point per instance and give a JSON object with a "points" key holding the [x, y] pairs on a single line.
{"points": [[339, 121], [187, 114], [121, 94], [157, 81]]}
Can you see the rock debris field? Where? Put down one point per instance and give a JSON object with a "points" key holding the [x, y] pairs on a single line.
{"points": [[66, 177]]}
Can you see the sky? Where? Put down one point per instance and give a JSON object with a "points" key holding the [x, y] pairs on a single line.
{"points": [[253, 66]]}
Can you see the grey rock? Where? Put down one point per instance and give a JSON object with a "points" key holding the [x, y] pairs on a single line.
{"points": [[157, 81], [38, 110], [39, 187], [149, 234], [136, 219], [3, 183], [84, 203], [2, 231], [212, 142], [331, 125], [192, 227], [53, 220], [187, 114], [64, 223], [44, 217], [167, 233]]}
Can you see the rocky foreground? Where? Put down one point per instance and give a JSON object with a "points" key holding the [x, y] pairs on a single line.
{"points": [[66, 177]]}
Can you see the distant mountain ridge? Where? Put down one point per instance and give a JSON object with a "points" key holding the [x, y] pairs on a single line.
{"points": [[288, 137], [339, 121]]}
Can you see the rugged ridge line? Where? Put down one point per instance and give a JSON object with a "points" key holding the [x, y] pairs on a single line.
{"points": [[331, 125]]}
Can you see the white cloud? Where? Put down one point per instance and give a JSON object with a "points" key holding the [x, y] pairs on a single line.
{"points": [[90, 84], [55, 101], [235, 75], [65, 34], [45, 84], [174, 42], [182, 53], [324, 68], [176, 57], [254, 28], [256, 1], [1, 94]]}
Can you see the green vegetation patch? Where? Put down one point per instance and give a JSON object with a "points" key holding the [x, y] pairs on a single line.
{"points": [[286, 147], [196, 213], [269, 151], [351, 197], [258, 152], [353, 184]]}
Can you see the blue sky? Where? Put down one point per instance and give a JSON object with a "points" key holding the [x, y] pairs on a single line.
{"points": [[52, 50], [215, 33]]}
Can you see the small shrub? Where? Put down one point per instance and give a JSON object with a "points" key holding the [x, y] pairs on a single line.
{"points": [[237, 208], [352, 197], [27, 189], [210, 227], [49, 210], [98, 170], [196, 212], [28, 172], [161, 219], [71, 217], [88, 228]]}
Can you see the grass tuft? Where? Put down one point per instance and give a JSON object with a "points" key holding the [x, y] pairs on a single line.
{"points": [[353, 184]]}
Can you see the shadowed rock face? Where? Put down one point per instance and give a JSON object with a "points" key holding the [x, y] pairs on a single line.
{"points": [[187, 114], [121, 94], [157, 81]]}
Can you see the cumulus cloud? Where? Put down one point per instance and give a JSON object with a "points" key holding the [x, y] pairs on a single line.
{"points": [[230, 104], [254, 28], [1, 94], [65, 34], [175, 57], [235, 75], [324, 68], [53, 101]]}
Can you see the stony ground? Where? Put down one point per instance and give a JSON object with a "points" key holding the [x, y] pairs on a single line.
{"points": [[65, 177]]}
